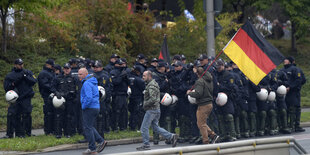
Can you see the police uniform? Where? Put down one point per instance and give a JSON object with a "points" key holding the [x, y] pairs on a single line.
{"points": [[262, 107], [119, 76], [293, 95], [226, 84], [46, 79], [103, 119], [179, 85], [110, 66], [66, 86], [272, 108], [19, 113], [135, 106]]}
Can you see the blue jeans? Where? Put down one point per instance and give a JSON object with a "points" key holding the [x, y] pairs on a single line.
{"points": [[91, 134], [151, 118]]}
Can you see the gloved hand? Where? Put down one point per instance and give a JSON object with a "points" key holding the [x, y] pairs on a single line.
{"points": [[129, 91], [51, 95]]}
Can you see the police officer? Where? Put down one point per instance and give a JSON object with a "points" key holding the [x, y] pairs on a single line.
{"points": [[66, 86], [272, 107], [154, 63], [281, 79], [104, 80], [141, 61], [293, 93], [226, 84], [262, 106], [57, 69], [179, 84], [19, 114], [243, 95], [46, 80], [110, 66], [135, 106], [252, 112], [119, 76]]}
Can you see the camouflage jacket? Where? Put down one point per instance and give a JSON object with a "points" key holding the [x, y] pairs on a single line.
{"points": [[151, 96]]}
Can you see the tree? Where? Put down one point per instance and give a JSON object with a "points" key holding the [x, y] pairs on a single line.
{"points": [[34, 6], [298, 12]]}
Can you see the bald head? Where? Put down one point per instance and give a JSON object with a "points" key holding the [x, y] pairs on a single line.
{"points": [[82, 73], [147, 76]]}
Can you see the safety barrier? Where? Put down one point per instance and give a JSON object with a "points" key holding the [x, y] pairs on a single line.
{"points": [[265, 146]]}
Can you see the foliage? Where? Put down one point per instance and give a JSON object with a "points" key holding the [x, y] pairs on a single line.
{"points": [[297, 10], [189, 38]]}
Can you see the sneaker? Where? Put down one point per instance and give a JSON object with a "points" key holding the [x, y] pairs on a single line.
{"points": [[89, 152], [101, 146], [174, 140], [143, 147], [214, 139]]}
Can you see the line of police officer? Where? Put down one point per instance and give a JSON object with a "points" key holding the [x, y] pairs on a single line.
{"points": [[243, 114]]}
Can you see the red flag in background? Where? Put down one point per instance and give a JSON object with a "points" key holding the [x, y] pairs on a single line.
{"points": [[130, 6], [164, 52]]}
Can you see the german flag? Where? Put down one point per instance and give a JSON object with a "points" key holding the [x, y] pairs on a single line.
{"points": [[253, 54]]}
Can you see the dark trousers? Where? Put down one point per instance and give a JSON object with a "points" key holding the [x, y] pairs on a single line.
{"points": [[19, 118], [136, 113], [49, 111], [90, 132], [120, 112]]}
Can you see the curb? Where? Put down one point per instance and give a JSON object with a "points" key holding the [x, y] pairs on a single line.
{"points": [[66, 147]]}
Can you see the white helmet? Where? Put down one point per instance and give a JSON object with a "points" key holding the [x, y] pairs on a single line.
{"points": [[262, 95], [271, 96], [191, 100], [58, 102], [166, 100], [281, 90], [101, 91], [221, 99], [174, 99], [11, 96]]}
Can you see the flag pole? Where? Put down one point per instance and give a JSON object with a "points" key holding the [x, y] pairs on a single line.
{"points": [[208, 67]]}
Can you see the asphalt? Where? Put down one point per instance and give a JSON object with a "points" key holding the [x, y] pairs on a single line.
{"points": [[84, 145]]}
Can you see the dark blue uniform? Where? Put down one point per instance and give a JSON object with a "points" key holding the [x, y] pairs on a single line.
{"points": [[67, 87], [46, 80], [292, 99], [179, 84], [226, 84], [19, 114], [119, 76], [281, 79], [109, 67], [135, 105], [103, 119]]}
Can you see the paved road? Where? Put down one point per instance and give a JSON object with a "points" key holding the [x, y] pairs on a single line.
{"points": [[302, 138]]}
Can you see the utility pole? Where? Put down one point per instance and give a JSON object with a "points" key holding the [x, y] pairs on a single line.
{"points": [[210, 28]]}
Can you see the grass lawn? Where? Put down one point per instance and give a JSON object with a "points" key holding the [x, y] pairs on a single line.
{"points": [[40, 142], [305, 117]]}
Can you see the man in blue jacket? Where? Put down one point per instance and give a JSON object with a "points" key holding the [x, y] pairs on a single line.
{"points": [[90, 110]]}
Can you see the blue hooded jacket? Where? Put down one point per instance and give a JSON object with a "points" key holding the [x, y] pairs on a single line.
{"points": [[90, 93]]}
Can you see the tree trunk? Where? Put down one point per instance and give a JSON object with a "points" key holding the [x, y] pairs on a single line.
{"points": [[294, 48], [4, 35]]}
